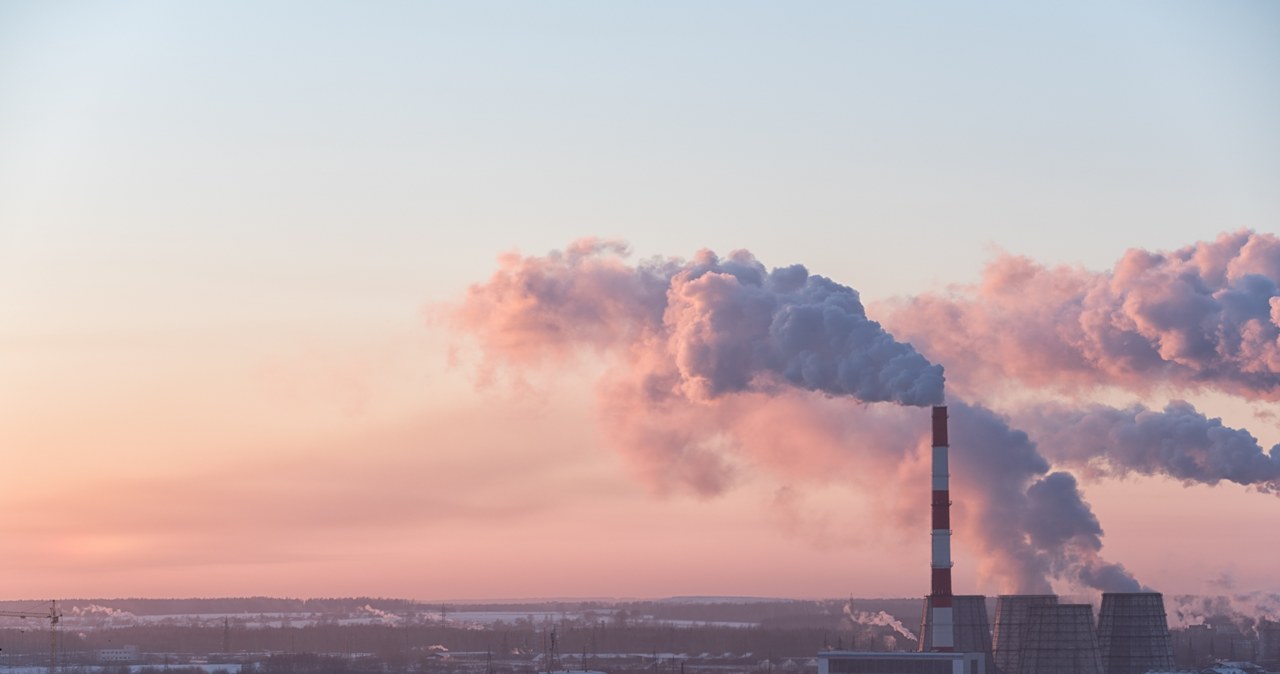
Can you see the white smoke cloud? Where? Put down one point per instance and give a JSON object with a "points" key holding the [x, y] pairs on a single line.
{"points": [[694, 351]]}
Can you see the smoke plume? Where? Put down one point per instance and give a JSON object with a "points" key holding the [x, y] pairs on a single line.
{"points": [[696, 330], [713, 367], [1032, 525], [1243, 610], [99, 610], [1206, 316], [1179, 442], [877, 619], [380, 614]]}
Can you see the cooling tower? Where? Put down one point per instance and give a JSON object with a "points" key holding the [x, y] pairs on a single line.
{"points": [[1133, 634], [1011, 627], [969, 623], [1059, 639], [1269, 644]]}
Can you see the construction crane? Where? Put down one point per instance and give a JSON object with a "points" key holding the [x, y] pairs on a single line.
{"points": [[54, 618]]}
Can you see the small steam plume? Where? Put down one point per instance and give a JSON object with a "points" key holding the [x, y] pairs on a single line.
{"points": [[877, 619], [1204, 316], [1179, 442], [380, 614], [713, 366], [98, 610]]}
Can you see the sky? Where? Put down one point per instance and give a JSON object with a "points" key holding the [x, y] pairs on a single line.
{"points": [[229, 232]]}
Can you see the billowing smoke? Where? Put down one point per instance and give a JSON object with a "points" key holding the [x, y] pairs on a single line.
{"points": [[1032, 525], [715, 366], [697, 329], [1179, 442], [1203, 317]]}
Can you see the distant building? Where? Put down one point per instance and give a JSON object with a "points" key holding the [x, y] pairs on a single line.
{"points": [[125, 654], [1198, 646]]}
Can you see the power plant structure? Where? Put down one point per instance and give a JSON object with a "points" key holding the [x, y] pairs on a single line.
{"points": [[1059, 639], [943, 653], [1133, 633], [1269, 644], [1012, 618], [972, 629], [1034, 634], [938, 620]]}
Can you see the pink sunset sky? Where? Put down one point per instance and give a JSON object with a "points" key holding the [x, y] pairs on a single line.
{"points": [[254, 338]]}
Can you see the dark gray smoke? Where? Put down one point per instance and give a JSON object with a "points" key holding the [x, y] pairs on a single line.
{"points": [[1061, 523], [1034, 524]]}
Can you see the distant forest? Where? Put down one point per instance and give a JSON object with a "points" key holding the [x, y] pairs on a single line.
{"points": [[781, 611]]}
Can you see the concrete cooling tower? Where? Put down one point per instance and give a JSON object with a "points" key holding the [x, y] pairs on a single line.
{"points": [[1011, 626], [971, 628], [1269, 644], [1059, 639], [1133, 634]]}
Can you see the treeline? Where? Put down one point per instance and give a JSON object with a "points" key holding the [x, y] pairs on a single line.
{"points": [[707, 610], [139, 606], [401, 643], [780, 611]]}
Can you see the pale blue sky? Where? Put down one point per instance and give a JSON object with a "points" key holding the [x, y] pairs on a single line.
{"points": [[220, 221], [886, 144]]}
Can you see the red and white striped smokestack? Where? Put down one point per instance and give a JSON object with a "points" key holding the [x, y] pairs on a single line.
{"points": [[940, 587]]}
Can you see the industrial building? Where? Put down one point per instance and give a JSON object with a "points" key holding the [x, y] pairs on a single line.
{"points": [[1034, 634], [948, 627], [1269, 644], [1204, 644]]}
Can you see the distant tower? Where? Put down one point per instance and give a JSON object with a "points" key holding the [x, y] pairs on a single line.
{"points": [[1133, 633]]}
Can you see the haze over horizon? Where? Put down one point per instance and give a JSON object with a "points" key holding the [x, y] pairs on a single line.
{"points": [[270, 321]]}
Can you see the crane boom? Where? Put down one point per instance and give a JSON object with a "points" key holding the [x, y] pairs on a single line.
{"points": [[54, 618]]}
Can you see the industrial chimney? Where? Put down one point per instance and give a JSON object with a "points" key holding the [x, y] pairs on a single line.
{"points": [[971, 629], [938, 611]]}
